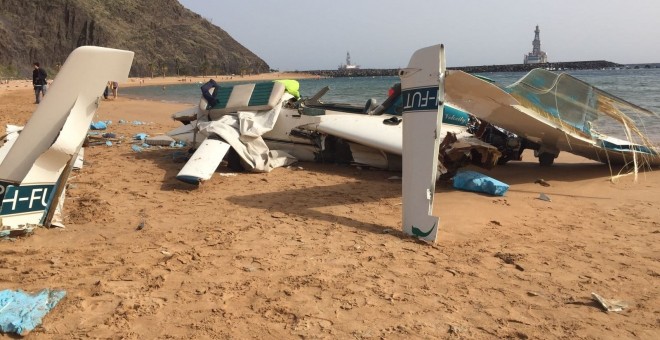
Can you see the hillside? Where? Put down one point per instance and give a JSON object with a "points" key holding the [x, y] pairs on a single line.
{"points": [[166, 37]]}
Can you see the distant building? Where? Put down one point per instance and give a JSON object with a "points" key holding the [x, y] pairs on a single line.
{"points": [[536, 56], [348, 65]]}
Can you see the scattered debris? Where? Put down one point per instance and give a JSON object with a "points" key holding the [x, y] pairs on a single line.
{"points": [[609, 305], [474, 181], [100, 125], [10, 233], [278, 214], [140, 225], [178, 144], [510, 258], [140, 136], [163, 140], [21, 312], [136, 148], [394, 178], [454, 330], [542, 182], [544, 197], [96, 139]]}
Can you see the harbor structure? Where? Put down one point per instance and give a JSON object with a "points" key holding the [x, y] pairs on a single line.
{"points": [[536, 56], [348, 65]]}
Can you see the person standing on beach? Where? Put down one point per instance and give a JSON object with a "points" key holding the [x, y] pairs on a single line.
{"points": [[106, 92], [39, 82], [115, 88]]}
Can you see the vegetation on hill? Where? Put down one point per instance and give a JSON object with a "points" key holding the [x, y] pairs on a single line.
{"points": [[167, 38]]}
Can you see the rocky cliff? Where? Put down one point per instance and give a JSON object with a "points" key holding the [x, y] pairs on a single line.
{"points": [[167, 38]]}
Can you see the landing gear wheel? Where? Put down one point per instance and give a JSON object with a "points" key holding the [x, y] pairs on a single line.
{"points": [[546, 159]]}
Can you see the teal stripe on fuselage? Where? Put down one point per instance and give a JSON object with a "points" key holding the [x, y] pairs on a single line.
{"points": [[261, 94], [222, 96], [454, 116], [450, 114]]}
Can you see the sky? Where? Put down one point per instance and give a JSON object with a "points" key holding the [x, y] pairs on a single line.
{"points": [[317, 34]]}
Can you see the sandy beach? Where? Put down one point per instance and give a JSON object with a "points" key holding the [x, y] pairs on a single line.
{"points": [[316, 250], [26, 84]]}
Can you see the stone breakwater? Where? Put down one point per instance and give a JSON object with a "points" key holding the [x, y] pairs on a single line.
{"points": [[562, 66]]}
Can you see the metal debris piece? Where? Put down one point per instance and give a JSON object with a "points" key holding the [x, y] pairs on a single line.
{"points": [[544, 197], [163, 140], [10, 233], [609, 305], [542, 182], [510, 258]]}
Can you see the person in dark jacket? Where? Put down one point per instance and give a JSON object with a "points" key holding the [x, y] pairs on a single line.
{"points": [[39, 82]]}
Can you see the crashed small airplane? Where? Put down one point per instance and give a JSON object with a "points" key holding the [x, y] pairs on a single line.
{"points": [[263, 126], [36, 165], [557, 112]]}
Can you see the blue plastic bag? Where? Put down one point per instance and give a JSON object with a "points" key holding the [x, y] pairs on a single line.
{"points": [[477, 182], [140, 136], [100, 125], [21, 312]]}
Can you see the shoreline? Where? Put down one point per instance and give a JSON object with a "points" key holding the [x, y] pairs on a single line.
{"points": [[316, 250], [26, 84]]}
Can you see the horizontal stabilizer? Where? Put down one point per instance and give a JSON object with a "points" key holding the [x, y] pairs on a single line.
{"points": [[203, 163]]}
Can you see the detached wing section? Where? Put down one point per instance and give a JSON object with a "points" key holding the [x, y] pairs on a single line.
{"points": [[560, 113], [367, 130], [35, 169]]}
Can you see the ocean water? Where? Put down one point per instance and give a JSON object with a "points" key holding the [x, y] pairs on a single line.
{"points": [[638, 86]]}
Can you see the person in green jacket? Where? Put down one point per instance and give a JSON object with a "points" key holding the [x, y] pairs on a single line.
{"points": [[291, 86]]}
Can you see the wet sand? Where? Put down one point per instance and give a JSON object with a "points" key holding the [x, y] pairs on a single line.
{"points": [[316, 251]]}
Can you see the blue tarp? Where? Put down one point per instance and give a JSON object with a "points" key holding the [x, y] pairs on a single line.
{"points": [[474, 181], [21, 312], [98, 125]]}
